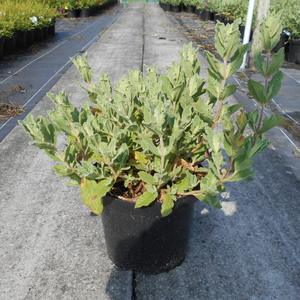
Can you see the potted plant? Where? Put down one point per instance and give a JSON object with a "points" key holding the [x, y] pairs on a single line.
{"points": [[203, 10], [144, 154], [7, 39], [190, 5], [176, 5], [292, 21]]}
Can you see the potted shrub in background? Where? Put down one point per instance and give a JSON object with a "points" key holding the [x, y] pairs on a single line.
{"points": [[190, 5], [6, 32], [144, 154], [293, 26], [176, 5], [203, 6]]}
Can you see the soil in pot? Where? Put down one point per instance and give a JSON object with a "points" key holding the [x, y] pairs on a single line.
{"points": [[144, 241], [294, 51]]}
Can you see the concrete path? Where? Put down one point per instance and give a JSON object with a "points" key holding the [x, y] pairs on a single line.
{"points": [[51, 248]]}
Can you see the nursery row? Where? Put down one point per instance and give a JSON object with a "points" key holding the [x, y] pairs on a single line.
{"points": [[81, 9], [233, 9], [26, 15], [23, 23]]}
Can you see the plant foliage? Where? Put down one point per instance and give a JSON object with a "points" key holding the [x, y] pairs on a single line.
{"points": [[156, 138]]}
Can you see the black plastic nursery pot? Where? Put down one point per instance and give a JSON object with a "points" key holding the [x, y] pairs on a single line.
{"points": [[190, 9], [1, 47], [21, 39], [9, 46], [51, 30], [218, 17], [198, 12], [141, 239], [294, 51], [168, 7], [205, 15], [282, 42], [38, 34], [73, 13], [226, 21], [30, 38], [85, 13], [176, 8], [45, 33]]}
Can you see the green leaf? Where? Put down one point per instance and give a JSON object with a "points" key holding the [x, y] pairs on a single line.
{"points": [[166, 86], [257, 90], [243, 166], [140, 157], [213, 83], [53, 154], [228, 91], [147, 143], [74, 180], [167, 205], [215, 65], [92, 193], [233, 108], [62, 171], [274, 85], [43, 145], [121, 157], [214, 139], [105, 84], [237, 60], [259, 62], [276, 62], [204, 110], [145, 199], [148, 178], [241, 175], [211, 200], [270, 122]]}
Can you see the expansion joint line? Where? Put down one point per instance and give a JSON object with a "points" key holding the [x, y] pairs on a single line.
{"points": [[143, 46], [133, 296]]}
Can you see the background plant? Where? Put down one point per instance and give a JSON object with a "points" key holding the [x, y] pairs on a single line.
{"points": [[15, 15], [156, 138], [290, 15]]}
